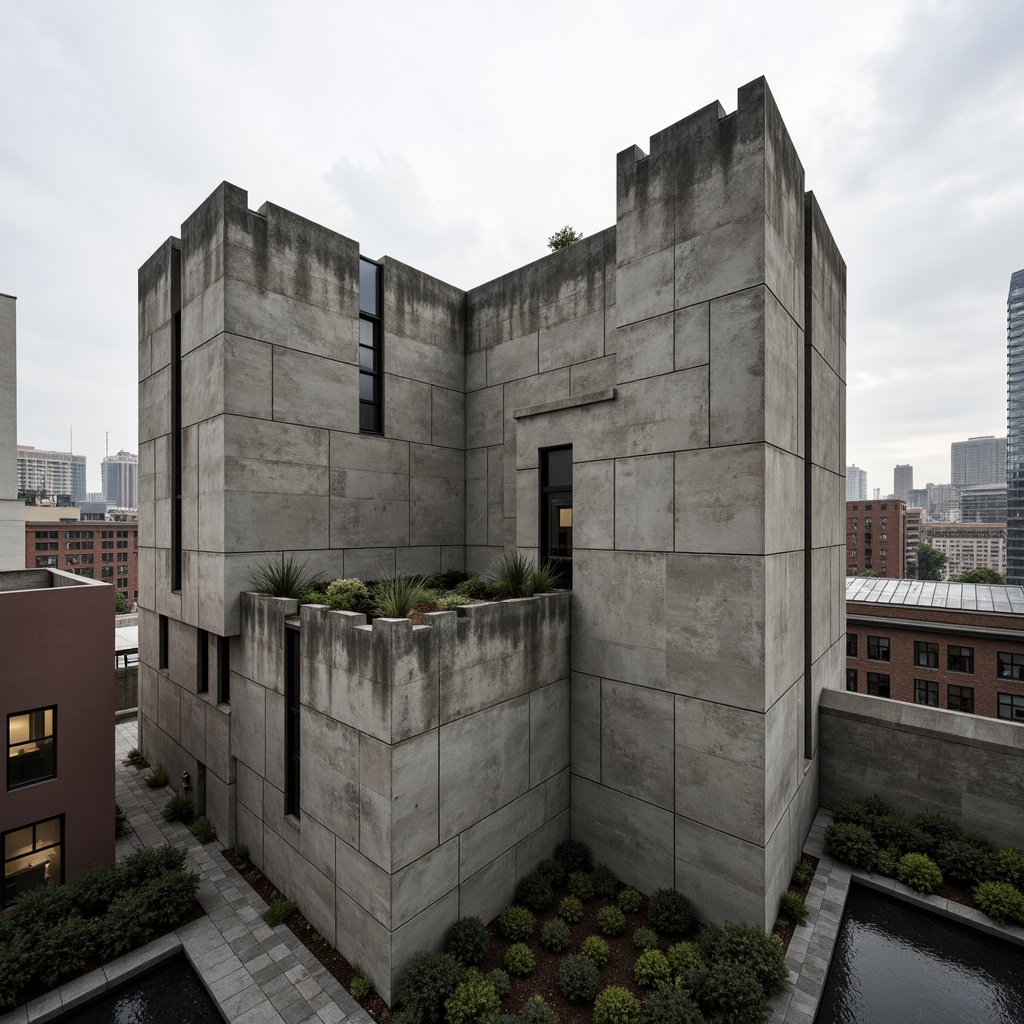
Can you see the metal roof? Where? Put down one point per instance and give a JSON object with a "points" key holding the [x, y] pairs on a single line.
{"points": [[972, 597], [126, 640]]}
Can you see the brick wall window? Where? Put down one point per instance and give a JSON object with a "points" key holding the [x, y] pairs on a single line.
{"points": [[878, 684], [926, 655], [851, 679], [926, 691], [1010, 706], [960, 698], [878, 648], [851, 645], [960, 659], [1010, 666]]}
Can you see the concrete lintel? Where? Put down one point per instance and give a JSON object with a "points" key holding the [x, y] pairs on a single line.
{"points": [[605, 395]]}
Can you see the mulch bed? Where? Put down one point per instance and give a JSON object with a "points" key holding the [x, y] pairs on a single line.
{"points": [[785, 929]]}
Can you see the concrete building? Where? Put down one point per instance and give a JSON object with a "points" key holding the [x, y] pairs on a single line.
{"points": [[983, 503], [968, 546], [943, 503], [915, 520], [1015, 429], [876, 538], [856, 484], [903, 482], [55, 475], [120, 474], [918, 498], [978, 460], [946, 645], [672, 387], [10, 507]]}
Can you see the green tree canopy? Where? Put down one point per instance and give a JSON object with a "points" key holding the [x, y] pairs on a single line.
{"points": [[564, 237], [121, 605], [929, 565], [983, 575]]}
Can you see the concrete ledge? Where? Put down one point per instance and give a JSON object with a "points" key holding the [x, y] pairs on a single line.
{"points": [[564, 403]]}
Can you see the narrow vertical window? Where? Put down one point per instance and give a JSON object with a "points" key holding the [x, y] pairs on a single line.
{"points": [[223, 670], [164, 651], [202, 661], [556, 511], [371, 369], [175, 420], [292, 666]]}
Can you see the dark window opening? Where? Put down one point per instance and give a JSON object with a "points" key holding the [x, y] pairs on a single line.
{"points": [[31, 746], [164, 651], [1010, 706], [556, 512], [878, 685], [960, 698], [371, 356], [926, 691], [33, 856], [926, 655], [878, 648], [176, 475], [223, 670], [292, 647], [851, 679], [1010, 666], [960, 659], [202, 661], [851, 645]]}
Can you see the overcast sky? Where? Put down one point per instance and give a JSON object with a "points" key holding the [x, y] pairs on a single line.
{"points": [[458, 136]]}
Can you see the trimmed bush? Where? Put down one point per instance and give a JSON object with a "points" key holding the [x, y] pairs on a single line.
{"points": [[920, 872], [897, 830], [746, 946], [938, 828], [730, 994], [630, 901], [1008, 866], [887, 861], [577, 979], [178, 808], [278, 912], [500, 980], [536, 1011], [963, 862], [683, 959], [669, 912], [616, 1005], [581, 885], [1001, 901], [852, 843], [16, 973], [158, 779], [534, 892], [204, 830], [792, 908], [651, 969], [516, 923], [475, 588], [554, 936], [474, 1001], [427, 984], [553, 871], [611, 921], [64, 948], [670, 1005], [349, 595], [606, 885], [645, 938], [803, 872], [573, 855], [467, 940], [361, 984], [519, 959], [571, 909], [595, 949]]}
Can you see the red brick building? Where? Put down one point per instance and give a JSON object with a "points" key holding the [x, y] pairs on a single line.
{"points": [[949, 645], [96, 550], [876, 537]]}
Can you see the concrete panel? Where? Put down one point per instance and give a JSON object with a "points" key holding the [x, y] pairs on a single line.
{"points": [[594, 505], [249, 789], [406, 408], [487, 893], [593, 375], [644, 503], [539, 845], [329, 786], [572, 341], [361, 522], [488, 839], [511, 359], [315, 391], [645, 349], [375, 795], [637, 749], [437, 493], [414, 809], [423, 561], [363, 940], [485, 417], [646, 287], [556, 795], [549, 731], [424, 932], [692, 337], [364, 882], [586, 726], [363, 466], [423, 882], [447, 418]]}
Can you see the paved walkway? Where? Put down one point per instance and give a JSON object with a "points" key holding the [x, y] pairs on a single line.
{"points": [[255, 974]]}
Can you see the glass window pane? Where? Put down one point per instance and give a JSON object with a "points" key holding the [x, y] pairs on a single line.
{"points": [[367, 358], [559, 468], [367, 416], [18, 729], [48, 833], [368, 287], [366, 333], [367, 387], [18, 842]]}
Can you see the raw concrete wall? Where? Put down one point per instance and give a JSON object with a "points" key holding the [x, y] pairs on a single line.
{"points": [[12, 512], [434, 772], [921, 758]]}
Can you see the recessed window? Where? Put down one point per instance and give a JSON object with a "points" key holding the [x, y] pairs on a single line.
{"points": [[292, 720], [202, 661], [1010, 706], [960, 659], [31, 746], [878, 648], [926, 691], [556, 512], [878, 684], [960, 698], [851, 679], [851, 645], [371, 369], [1010, 666], [223, 670], [33, 856], [926, 655], [164, 651]]}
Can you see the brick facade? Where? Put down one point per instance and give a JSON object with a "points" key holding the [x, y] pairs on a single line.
{"points": [[876, 537]]}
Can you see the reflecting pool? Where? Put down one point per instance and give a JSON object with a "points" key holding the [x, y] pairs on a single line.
{"points": [[897, 964], [169, 994]]}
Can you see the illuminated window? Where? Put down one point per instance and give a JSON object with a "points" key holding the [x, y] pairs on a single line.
{"points": [[31, 746], [33, 856]]}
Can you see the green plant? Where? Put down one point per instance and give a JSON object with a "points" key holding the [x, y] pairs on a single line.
{"points": [[792, 908], [684, 958], [937, 828], [450, 602], [897, 830], [669, 912], [64, 948], [518, 959], [581, 885], [279, 911], [651, 969], [534, 891], [554, 936], [15, 967], [178, 808], [204, 830], [606, 885], [241, 852], [746, 946], [517, 575], [516, 923], [577, 978], [282, 578], [553, 871], [730, 994], [426, 985], [611, 921], [133, 754], [474, 1001], [396, 595], [349, 595], [536, 1011], [573, 855], [860, 812], [500, 980], [158, 778], [476, 588], [803, 872], [1008, 866], [964, 862], [360, 985], [670, 1004], [887, 861], [564, 237], [467, 940], [570, 909], [645, 938], [920, 872], [616, 1005], [122, 606], [595, 949], [852, 843], [630, 901], [1001, 901]]}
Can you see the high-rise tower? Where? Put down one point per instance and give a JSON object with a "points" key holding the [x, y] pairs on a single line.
{"points": [[1015, 429], [856, 484], [903, 482], [121, 480]]}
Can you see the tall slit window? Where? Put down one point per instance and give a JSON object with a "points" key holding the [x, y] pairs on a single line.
{"points": [[292, 666], [371, 368], [556, 511], [31, 746]]}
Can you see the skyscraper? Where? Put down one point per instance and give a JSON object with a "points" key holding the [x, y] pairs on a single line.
{"points": [[51, 473], [121, 480], [1015, 430], [978, 460], [903, 482], [856, 484]]}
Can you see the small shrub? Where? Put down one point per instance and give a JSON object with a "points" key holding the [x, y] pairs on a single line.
{"points": [[920, 872], [645, 938], [1008, 866], [897, 830], [683, 959], [570, 909], [134, 753], [241, 852], [278, 912], [283, 578], [792, 908], [630, 901], [554, 936], [476, 588], [64, 948], [517, 575], [553, 871], [395, 596], [536, 1011], [204, 830], [178, 808], [963, 862], [516, 923], [158, 779], [474, 1001], [670, 912], [581, 885], [16, 955], [606, 885], [670, 1005], [450, 602], [519, 959], [1001, 901], [360, 986], [651, 969], [595, 949], [803, 872], [500, 980], [426, 985], [746, 946], [534, 892], [887, 861], [577, 979], [852, 843], [94, 890], [139, 867], [616, 1005], [611, 921], [730, 994], [938, 828], [126, 924], [467, 940], [573, 855], [349, 595]]}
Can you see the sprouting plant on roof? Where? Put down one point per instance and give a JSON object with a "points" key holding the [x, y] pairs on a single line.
{"points": [[282, 577], [396, 595], [563, 238]]}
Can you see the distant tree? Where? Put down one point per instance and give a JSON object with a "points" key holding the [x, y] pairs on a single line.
{"points": [[563, 238], [979, 576], [867, 573], [121, 605], [930, 563]]}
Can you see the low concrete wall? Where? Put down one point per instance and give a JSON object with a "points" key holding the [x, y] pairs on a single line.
{"points": [[924, 759], [434, 766], [126, 688]]}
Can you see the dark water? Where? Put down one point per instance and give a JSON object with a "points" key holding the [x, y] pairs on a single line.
{"points": [[170, 994], [897, 964]]}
